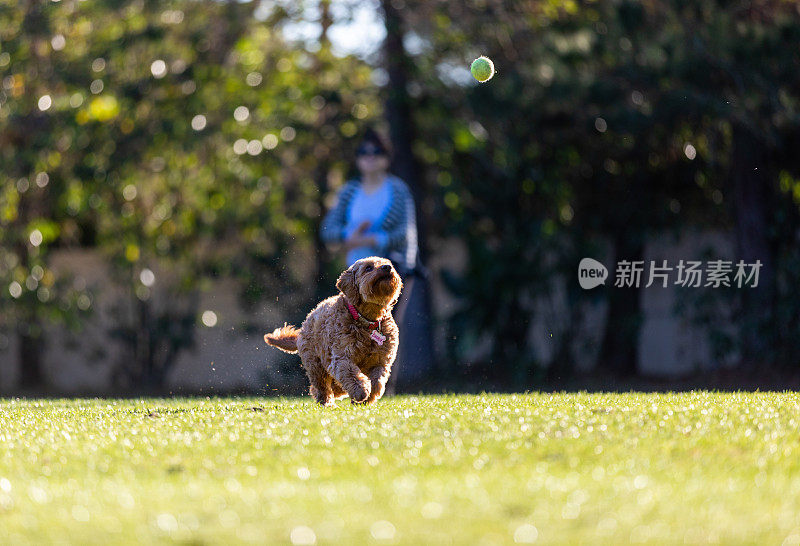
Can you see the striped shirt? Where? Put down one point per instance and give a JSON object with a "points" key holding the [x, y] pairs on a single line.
{"points": [[394, 227]]}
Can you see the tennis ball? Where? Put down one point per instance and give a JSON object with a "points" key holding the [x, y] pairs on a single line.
{"points": [[482, 69]]}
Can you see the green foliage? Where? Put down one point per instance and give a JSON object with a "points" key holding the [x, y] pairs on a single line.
{"points": [[559, 468], [192, 140], [606, 122], [179, 138]]}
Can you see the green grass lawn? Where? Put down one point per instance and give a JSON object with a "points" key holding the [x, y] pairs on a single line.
{"points": [[691, 468]]}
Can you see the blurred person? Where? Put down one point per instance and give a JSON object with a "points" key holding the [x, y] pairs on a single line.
{"points": [[374, 216]]}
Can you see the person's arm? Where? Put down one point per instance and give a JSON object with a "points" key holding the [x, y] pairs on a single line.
{"points": [[332, 229]]}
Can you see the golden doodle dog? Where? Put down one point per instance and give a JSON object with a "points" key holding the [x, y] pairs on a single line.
{"points": [[348, 342]]}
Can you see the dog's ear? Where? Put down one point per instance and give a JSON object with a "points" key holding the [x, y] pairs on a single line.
{"points": [[347, 285]]}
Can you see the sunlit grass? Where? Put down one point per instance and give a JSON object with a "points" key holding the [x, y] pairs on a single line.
{"points": [[494, 469]]}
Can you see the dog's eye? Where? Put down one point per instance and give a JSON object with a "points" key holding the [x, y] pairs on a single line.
{"points": [[369, 268]]}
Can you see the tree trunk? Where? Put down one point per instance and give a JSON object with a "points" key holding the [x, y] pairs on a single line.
{"points": [[31, 207], [562, 366], [144, 345], [415, 358], [398, 112], [322, 153], [29, 331], [415, 355], [30, 357], [751, 185], [619, 350]]}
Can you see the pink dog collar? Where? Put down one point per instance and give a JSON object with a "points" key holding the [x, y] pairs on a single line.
{"points": [[371, 324]]}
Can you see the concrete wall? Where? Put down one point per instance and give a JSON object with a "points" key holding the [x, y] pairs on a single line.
{"points": [[224, 358], [670, 344]]}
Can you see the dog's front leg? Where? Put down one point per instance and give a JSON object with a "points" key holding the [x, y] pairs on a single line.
{"points": [[350, 378], [378, 377]]}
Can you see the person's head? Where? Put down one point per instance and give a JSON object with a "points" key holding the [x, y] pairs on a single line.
{"points": [[372, 154]]}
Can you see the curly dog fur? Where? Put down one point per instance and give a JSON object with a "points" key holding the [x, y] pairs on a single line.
{"points": [[336, 350]]}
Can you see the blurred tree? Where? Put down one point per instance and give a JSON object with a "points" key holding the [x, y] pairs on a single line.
{"points": [[34, 172], [182, 150], [608, 123], [415, 359], [191, 141], [737, 68]]}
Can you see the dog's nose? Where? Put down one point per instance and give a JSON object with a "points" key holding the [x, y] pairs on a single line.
{"points": [[386, 268]]}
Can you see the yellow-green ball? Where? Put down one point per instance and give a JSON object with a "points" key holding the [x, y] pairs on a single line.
{"points": [[482, 69]]}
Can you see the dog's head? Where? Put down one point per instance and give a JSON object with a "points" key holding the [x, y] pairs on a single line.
{"points": [[371, 280]]}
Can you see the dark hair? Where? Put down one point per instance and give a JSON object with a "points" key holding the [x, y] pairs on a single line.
{"points": [[374, 138]]}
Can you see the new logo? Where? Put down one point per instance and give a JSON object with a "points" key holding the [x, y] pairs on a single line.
{"points": [[591, 273]]}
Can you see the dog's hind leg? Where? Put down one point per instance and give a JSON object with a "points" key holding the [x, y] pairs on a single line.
{"points": [[320, 380], [350, 378]]}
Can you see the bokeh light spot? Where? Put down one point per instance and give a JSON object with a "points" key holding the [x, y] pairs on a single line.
{"points": [[199, 122], [254, 147], [84, 302], [58, 42], [45, 102], [15, 289], [147, 277], [36, 237], [601, 125], [360, 111], [526, 534], [209, 318], [129, 192], [241, 113], [288, 133], [431, 510], [302, 535], [269, 141], [240, 146], [382, 530], [158, 68]]}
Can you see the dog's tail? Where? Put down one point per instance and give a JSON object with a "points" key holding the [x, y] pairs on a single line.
{"points": [[284, 338]]}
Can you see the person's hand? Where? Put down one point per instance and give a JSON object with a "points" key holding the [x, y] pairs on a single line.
{"points": [[358, 239], [362, 227]]}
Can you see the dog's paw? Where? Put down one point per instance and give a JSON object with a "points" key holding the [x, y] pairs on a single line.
{"points": [[377, 391], [359, 393], [323, 398], [365, 402]]}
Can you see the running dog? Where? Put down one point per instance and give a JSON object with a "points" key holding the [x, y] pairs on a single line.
{"points": [[348, 342]]}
